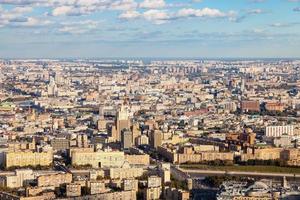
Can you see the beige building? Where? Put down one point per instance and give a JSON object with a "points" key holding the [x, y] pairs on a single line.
{"points": [[54, 179], [188, 155], [136, 133], [98, 159], [156, 137], [124, 172], [124, 195], [17, 146], [130, 184], [23, 159], [174, 139], [96, 187], [77, 149], [126, 139], [141, 140], [168, 152], [291, 157], [73, 190], [60, 144], [175, 194], [122, 122], [262, 154], [101, 124], [142, 159], [21, 178], [44, 196], [153, 193], [154, 181], [202, 148], [165, 172], [35, 191]]}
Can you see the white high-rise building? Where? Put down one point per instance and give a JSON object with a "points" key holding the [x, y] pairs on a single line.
{"points": [[52, 88], [277, 131]]}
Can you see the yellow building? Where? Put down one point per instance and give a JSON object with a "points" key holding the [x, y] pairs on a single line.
{"points": [[262, 154], [124, 173], [96, 187], [77, 149], [291, 157], [124, 195], [143, 159], [54, 179], [153, 193], [98, 159], [23, 159], [73, 190], [173, 193], [189, 155], [20, 178], [202, 148], [43, 196]]}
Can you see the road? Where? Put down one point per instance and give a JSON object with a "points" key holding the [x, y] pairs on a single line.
{"points": [[61, 167]]}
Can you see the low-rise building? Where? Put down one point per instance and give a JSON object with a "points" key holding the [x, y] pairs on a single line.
{"points": [[54, 179], [73, 190], [23, 159], [130, 184], [96, 187], [188, 155], [143, 159], [124, 172], [60, 144], [153, 193], [176, 194], [21, 178], [98, 159], [262, 154]]}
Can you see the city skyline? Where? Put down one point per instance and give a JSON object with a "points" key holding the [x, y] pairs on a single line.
{"points": [[149, 28]]}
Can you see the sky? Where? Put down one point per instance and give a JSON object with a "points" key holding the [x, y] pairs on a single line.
{"points": [[149, 28]]}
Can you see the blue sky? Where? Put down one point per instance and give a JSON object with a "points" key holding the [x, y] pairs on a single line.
{"points": [[149, 28]]}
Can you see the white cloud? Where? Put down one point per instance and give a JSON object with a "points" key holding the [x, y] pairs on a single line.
{"points": [[85, 7], [22, 9], [131, 14], [153, 15], [284, 25], [256, 11], [149, 10], [153, 4], [205, 12], [162, 16], [79, 27], [13, 15], [124, 5], [74, 10], [156, 16], [33, 22], [23, 2], [63, 10]]}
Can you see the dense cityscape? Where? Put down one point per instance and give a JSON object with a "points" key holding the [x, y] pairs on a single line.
{"points": [[149, 129], [149, 100]]}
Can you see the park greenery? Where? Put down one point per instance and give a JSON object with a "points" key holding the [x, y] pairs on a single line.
{"points": [[244, 168]]}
